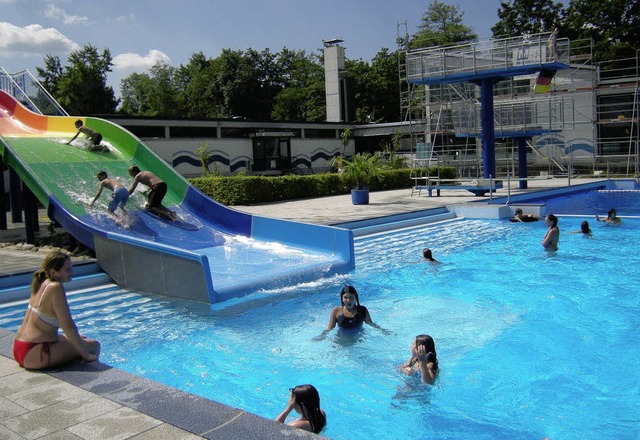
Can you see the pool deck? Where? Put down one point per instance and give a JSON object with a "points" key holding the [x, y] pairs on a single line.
{"points": [[96, 401]]}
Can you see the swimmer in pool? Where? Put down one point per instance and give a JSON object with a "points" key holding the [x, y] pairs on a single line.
{"points": [[523, 218], [584, 229], [611, 218], [428, 256], [350, 315], [424, 359], [552, 237], [305, 400]]}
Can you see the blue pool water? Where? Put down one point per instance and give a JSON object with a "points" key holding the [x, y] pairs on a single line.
{"points": [[531, 344]]}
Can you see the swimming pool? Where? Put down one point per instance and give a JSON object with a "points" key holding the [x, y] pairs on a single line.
{"points": [[531, 344]]}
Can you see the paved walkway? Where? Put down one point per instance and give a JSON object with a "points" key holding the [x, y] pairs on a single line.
{"points": [[95, 401]]}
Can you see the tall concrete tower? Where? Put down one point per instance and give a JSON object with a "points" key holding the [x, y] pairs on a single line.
{"points": [[333, 84]]}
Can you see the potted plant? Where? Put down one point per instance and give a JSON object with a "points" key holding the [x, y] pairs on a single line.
{"points": [[358, 172]]}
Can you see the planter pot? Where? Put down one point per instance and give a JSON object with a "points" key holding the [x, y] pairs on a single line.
{"points": [[360, 196]]}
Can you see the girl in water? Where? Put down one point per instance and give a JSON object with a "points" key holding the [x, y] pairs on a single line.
{"points": [[552, 237], [305, 400], [424, 359]]}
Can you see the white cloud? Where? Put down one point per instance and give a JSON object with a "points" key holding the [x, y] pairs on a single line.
{"points": [[124, 19], [132, 61], [56, 13], [33, 40]]}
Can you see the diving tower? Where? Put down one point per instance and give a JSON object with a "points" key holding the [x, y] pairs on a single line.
{"points": [[485, 63]]}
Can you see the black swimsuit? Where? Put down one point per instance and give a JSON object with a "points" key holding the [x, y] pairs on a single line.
{"points": [[355, 321]]}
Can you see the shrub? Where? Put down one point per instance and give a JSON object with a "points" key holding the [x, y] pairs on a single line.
{"points": [[248, 190]]}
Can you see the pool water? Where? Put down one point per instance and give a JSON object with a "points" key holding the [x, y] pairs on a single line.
{"points": [[531, 344]]}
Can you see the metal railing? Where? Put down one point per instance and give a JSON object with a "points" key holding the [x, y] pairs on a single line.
{"points": [[26, 89], [476, 57]]}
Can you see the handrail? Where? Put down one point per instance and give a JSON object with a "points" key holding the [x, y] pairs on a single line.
{"points": [[9, 84], [14, 89]]}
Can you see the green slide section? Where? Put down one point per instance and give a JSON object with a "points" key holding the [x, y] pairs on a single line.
{"points": [[50, 167]]}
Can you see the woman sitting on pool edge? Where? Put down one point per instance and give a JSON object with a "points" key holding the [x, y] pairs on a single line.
{"points": [[424, 359], [37, 344], [305, 400], [350, 315]]}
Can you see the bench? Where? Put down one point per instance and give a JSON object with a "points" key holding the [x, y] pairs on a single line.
{"points": [[479, 187]]}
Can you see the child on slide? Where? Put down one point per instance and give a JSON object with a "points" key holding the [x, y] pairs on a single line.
{"points": [[94, 137], [120, 197], [158, 189]]}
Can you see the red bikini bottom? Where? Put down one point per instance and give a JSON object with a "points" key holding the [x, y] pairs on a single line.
{"points": [[21, 348]]}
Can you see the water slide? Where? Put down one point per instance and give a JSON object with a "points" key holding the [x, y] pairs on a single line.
{"points": [[212, 253]]}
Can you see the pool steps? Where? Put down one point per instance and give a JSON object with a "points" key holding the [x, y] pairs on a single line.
{"points": [[17, 286], [399, 221]]}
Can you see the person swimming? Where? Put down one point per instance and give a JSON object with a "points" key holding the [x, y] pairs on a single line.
{"points": [[523, 218], [350, 315]]}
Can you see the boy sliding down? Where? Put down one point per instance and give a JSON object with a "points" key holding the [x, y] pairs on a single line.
{"points": [[120, 196], [93, 136], [158, 189]]}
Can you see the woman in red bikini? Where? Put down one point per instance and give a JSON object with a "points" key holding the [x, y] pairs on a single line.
{"points": [[37, 344]]}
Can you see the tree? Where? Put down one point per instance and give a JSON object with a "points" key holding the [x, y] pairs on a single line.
{"points": [[81, 86], [614, 26], [520, 17], [442, 25], [151, 95], [51, 73], [196, 89], [301, 97], [376, 94]]}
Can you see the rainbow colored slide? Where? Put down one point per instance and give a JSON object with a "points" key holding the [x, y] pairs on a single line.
{"points": [[212, 254]]}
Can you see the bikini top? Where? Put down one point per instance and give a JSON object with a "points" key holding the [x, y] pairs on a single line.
{"points": [[51, 320]]}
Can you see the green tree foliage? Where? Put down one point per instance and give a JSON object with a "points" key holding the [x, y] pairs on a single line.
{"points": [[51, 73], [196, 88], [81, 86], [614, 26], [153, 94], [441, 24], [377, 89], [302, 96], [519, 17]]}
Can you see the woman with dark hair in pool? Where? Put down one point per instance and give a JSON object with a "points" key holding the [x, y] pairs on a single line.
{"points": [[305, 400], [611, 218], [424, 359], [552, 237], [428, 256], [584, 229], [350, 315]]}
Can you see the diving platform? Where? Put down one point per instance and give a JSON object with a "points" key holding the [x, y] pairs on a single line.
{"points": [[495, 58], [512, 119]]}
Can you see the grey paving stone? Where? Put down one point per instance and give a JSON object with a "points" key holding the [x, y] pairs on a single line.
{"points": [[62, 415], [47, 394], [10, 409], [23, 380], [165, 432], [120, 424]]}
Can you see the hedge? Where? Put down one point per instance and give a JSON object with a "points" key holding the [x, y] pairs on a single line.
{"points": [[249, 190]]}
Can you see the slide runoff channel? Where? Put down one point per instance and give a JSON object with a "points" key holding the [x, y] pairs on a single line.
{"points": [[213, 253]]}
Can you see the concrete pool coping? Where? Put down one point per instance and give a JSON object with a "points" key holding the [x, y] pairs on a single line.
{"points": [[96, 401]]}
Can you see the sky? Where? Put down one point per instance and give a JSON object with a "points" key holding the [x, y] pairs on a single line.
{"points": [[139, 33]]}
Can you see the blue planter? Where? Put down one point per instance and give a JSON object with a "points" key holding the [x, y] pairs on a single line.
{"points": [[360, 196]]}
